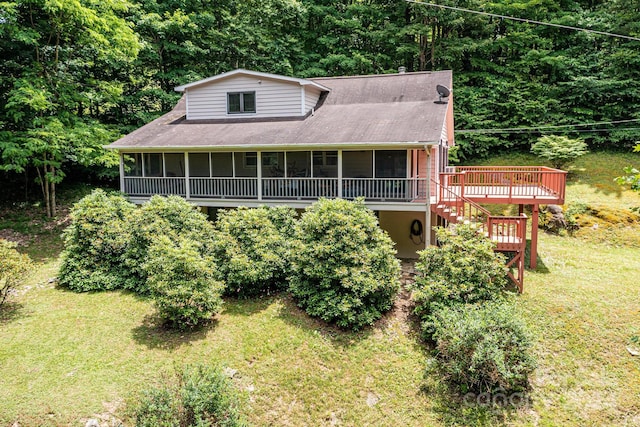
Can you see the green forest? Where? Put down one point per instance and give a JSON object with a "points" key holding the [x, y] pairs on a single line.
{"points": [[77, 74]]}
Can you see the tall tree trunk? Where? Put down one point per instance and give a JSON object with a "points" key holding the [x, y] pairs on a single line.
{"points": [[52, 194]]}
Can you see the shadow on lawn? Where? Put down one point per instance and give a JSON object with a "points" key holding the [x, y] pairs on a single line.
{"points": [[457, 409], [10, 312], [154, 334]]}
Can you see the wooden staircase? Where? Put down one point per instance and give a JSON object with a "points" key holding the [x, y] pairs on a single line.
{"points": [[507, 232]]}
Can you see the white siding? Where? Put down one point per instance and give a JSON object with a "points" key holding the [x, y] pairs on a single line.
{"points": [[311, 97], [273, 98]]}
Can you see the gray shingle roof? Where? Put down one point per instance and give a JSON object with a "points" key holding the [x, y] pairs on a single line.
{"points": [[390, 109]]}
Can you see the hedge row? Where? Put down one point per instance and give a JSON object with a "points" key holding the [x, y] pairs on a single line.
{"points": [[336, 261], [482, 344]]}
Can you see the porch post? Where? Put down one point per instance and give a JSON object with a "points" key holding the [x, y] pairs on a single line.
{"points": [[340, 174], [121, 172], [427, 220], [259, 170], [187, 189], [533, 258]]}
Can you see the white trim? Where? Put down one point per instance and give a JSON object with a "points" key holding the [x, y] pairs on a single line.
{"points": [[187, 190], [122, 172], [323, 146], [241, 71], [259, 173], [340, 173]]}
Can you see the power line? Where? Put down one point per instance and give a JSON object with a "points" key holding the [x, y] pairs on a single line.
{"points": [[544, 128], [528, 21], [513, 131]]}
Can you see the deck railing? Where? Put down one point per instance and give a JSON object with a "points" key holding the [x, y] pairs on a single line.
{"points": [[373, 189], [508, 232], [507, 182], [149, 186]]}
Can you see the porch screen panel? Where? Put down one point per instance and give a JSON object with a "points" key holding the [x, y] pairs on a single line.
{"points": [[133, 164], [199, 165], [273, 164], [222, 164], [246, 165], [299, 164], [357, 164], [153, 165], [325, 164], [174, 164], [391, 164]]}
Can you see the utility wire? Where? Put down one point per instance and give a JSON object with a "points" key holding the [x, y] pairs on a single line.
{"points": [[530, 131], [528, 21], [544, 128]]}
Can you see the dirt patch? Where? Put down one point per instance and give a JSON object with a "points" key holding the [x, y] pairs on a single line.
{"points": [[16, 237]]}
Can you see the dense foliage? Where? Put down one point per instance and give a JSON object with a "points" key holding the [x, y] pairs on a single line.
{"points": [[559, 150], [95, 242], [172, 217], [182, 282], [254, 249], [344, 265], [77, 74], [483, 348], [197, 396], [14, 267], [464, 269]]}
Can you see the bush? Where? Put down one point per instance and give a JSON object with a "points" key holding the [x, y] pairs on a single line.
{"points": [[182, 282], [344, 265], [483, 348], [463, 270], [95, 240], [559, 150], [13, 268], [170, 216], [254, 249], [199, 396]]}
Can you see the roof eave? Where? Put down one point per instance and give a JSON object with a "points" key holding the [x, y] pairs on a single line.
{"points": [[279, 147], [301, 82]]}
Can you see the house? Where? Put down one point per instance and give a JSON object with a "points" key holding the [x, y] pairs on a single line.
{"points": [[247, 138]]}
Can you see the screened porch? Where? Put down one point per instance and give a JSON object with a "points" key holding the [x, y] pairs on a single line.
{"points": [[376, 175]]}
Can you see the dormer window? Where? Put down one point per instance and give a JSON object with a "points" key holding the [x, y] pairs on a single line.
{"points": [[241, 102]]}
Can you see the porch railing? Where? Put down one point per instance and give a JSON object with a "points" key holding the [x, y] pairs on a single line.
{"points": [[236, 188], [372, 189], [149, 186], [507, 182], [299, 188]]}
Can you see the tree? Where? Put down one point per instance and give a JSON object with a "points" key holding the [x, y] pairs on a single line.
{"points": [[13, 268], [632, 177], [60, 76], [559, 150]]}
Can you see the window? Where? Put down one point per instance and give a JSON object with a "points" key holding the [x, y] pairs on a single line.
{"points": [[391, 164], [153, 165], [241, 102], [250, 160]]}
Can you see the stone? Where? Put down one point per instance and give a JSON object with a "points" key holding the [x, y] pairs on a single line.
{"points": [[92, 422], [372, 399]]}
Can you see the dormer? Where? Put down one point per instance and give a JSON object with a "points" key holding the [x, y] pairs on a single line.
{"points": [[244, 94]]}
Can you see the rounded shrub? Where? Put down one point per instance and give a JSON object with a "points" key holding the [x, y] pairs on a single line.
{"points": [[483, 348], [14, 267], [197, 396], [172, 217], [464, 269], [95, 241], [344, 268], [254, 249], [182, 282]]}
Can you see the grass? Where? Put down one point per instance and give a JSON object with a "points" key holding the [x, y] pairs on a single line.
{"points": [[67, 357]]}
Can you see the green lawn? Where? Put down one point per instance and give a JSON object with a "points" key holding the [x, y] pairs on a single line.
{"points": [[66, 357]]}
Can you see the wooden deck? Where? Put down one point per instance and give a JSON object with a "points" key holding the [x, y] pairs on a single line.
{"points": [[461, 191]]}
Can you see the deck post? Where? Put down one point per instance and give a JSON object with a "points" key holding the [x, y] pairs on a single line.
{"points": [[259, 173], [340, 186], [533, 259], [187, 189]]}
